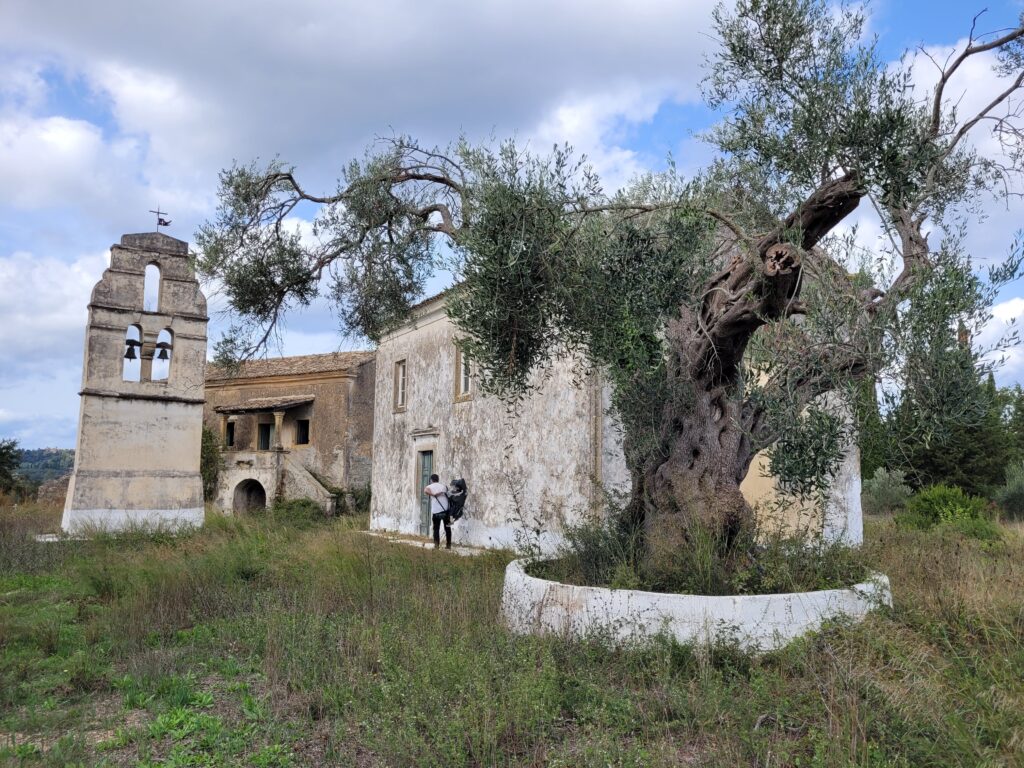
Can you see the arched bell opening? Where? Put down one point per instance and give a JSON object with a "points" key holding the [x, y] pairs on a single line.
{"points": [[131, 368], [162, 355]]}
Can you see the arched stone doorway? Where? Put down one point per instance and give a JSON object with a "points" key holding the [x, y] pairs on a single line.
{"points": [[249, 495]]}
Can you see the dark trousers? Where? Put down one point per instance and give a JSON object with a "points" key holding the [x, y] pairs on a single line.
{"points": [[438, 518]]}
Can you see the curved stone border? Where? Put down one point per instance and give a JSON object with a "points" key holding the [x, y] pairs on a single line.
{"points": [[756, 622]]}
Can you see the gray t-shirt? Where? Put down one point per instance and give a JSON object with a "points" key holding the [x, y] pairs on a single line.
{"points": [[438, 503]]}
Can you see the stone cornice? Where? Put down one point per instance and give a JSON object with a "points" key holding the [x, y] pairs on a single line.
{"points": [[91, 392], [287, 378]]}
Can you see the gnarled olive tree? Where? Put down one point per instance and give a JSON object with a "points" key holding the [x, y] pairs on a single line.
{"points": [[710, 305]]}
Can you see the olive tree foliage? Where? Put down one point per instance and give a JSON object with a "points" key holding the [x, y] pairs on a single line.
{"points": [[721, 309]]}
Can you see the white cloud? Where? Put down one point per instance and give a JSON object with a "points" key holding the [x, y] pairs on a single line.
{"points": [[590, 123], [207, 82], [44, 311], [1005, 317], [22, 86], [55, 160], [970, 90]]}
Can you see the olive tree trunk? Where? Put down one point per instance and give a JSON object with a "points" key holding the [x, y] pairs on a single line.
{"points": [[707, 429]]}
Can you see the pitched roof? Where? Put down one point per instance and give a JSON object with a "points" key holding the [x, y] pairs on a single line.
{"points": [[433, 297], [266, 404], [290, 366]]}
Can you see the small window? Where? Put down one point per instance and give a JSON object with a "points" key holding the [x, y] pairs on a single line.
{"points": [[401, 384], [229, 435], [463, 376], [302, 432], [266, 431]]}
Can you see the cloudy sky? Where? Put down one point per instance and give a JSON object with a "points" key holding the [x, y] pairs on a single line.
{"points": [[110, 108]]}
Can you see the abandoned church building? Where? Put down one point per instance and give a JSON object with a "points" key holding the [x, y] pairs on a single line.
{"points": [[292, 427], [141, 411], [555, 460], [323, 426]]}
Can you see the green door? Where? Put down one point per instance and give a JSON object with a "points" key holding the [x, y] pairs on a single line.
{"points": [[426, 470]]}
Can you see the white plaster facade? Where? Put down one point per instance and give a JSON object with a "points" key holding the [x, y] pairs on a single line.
{"points": [[530, 473], [137, 452]]}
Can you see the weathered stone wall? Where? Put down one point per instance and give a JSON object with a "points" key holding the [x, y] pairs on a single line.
{"points": [[265, 467], [841, 520], [533, 471], [360, 426], [137, 455], [340, 433]]}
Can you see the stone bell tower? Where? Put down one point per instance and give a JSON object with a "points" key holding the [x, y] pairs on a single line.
{"points": [[141, 417]]}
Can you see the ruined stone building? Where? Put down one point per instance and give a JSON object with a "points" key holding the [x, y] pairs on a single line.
{"points": [[321, 426], [536, 471], [292, 427], [140, 420]]}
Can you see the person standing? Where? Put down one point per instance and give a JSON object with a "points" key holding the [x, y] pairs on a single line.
{"points": [[439, 512]]}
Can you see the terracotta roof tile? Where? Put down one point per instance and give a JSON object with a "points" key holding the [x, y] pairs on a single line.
{"points": [[291, 366]]}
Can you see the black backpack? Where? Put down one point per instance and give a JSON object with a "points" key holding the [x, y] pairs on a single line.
{"points": [[457, 499]]}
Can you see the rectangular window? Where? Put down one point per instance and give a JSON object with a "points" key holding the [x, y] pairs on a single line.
{"points": [[229, 436], [463, 376], [302, 432], [401, 384], [265, 433]]}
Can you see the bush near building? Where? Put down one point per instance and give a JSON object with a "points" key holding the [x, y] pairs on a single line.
{"points": [[949, 506], [885, 492]]}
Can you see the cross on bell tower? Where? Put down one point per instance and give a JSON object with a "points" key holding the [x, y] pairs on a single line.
{"points": [[160, 220]]}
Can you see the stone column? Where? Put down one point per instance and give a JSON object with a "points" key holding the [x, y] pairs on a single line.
{"points": [[278, 426], [223, 429], [146, 354]]}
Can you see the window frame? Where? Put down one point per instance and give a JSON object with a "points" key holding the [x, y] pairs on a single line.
{"points": [[298, 432], [400, 385], [259, 436], [463, 384], [229, 434]]}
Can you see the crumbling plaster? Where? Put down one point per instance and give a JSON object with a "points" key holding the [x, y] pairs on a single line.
{"points": [[340, 434], [532, 472]]}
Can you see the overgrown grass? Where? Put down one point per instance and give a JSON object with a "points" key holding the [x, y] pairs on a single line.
{"points": [[756, 562], [253, 642]]}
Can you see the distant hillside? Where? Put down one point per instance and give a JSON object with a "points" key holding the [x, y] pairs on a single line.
{"points": [[41, 464]]}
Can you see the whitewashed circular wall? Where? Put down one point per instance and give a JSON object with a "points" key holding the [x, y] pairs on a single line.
{"points": [[756, 622]]}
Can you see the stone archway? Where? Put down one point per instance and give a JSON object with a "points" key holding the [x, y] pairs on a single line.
{"points": [[249, 495]]}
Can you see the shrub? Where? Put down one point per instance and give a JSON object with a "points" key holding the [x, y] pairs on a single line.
{"points": [[360, 500], [979, 528], [952, 509], [209, 463], [944, 503], [300, 513], [603, 553], [885, 492], [1010, 496]]}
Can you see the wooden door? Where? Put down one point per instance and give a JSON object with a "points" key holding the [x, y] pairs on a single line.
{"points": [[426, 470]]}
